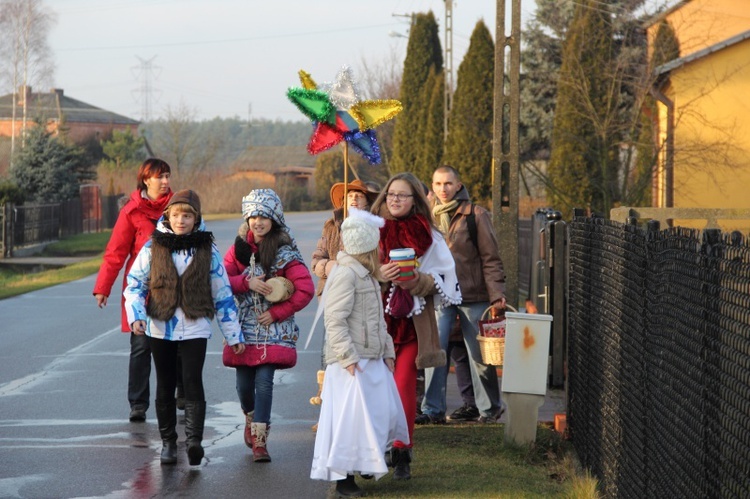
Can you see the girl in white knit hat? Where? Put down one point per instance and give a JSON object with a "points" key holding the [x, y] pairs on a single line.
{"points": [[361, 413]]}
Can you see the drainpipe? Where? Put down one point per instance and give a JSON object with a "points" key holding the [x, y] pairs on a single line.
{"points": [[669, 158]]}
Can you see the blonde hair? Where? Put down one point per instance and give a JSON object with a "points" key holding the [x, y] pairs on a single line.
{"points": [[370, 261], [182, 207]]}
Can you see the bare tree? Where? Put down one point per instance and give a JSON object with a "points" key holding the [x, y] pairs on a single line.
{"points": [[175, 136], [25, 56], [381, 79]]}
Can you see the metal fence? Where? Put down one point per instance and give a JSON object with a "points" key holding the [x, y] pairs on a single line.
{"points": [[29, 225], [659, 359]]}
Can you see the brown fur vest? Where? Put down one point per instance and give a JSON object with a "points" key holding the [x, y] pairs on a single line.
{"points": [[192, 290]]}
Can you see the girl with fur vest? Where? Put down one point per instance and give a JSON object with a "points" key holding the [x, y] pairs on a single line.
{"points": [[410, 305], [264, 249], [175, 287], [361, 412]]}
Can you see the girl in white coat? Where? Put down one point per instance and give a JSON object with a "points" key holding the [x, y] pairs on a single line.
{"points": [[361, 413]]}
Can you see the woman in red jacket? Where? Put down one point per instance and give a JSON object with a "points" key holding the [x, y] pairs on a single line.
{"points": [[135, 224]]}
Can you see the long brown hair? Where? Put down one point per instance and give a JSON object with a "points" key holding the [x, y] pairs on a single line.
{"points": [[421, 205], [269, 246]]}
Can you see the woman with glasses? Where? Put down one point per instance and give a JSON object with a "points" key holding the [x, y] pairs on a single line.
{"points": [[410, 304]]}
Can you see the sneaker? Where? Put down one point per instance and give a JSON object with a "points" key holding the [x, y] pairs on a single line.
{"points": [[465, 413], [137, 415], [492, 419], [423, 419]]}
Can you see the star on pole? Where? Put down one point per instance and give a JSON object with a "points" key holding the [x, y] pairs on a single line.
{"points": [[338, 114]]}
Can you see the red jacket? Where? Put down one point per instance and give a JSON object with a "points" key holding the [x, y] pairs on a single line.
{"points": [[135, 223]]}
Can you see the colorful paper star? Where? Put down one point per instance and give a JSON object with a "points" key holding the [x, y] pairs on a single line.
{"points": [[338, 114]]}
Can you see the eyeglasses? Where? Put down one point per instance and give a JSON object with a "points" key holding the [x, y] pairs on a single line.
{"points": [[400, 197]]}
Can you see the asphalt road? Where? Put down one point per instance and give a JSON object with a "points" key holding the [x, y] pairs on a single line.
{"points": [[64, 430]]}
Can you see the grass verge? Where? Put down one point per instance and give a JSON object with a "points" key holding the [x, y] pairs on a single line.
{"points": [[472, 460], [14, 283], [79, 245]]}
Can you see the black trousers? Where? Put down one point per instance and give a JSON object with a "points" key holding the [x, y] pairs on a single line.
{"points": [[165, 354]]}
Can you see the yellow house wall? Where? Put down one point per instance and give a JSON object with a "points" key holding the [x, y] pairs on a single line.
{"points": [[702, 23], [712, 130]]}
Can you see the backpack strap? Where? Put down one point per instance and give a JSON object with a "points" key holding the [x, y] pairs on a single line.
{"points": [[471, 222]]}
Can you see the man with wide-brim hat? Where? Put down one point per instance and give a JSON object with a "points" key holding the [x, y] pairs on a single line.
{"points": [[369, 189], [359, 195]]}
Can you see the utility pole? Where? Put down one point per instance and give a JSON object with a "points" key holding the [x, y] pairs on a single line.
{"points": [[505, 144], [448, 101], [146, 90]]}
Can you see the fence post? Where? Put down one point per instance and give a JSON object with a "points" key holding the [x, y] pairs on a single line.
{"points": [[7, 230], [538, 283], [558, 266]]}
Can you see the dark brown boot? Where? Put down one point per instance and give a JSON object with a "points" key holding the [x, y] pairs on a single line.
{"points": [[348, 487]]}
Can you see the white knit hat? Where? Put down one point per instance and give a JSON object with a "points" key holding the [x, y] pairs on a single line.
{"points": [[360, 232]]}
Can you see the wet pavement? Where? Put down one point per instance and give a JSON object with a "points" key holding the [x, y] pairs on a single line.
{"points": [[63, 410]]}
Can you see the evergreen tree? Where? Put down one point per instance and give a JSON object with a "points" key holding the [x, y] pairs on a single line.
{"points": [[422, 54], [541, 56], [665, 48], [666, 45], [601, 90], [433, 134], [580, 157], [468, 147], [123, 150], [45, 169]]}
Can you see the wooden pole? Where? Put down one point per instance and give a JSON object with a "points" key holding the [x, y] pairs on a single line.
{"points": [[506, 163], [346, 175]]}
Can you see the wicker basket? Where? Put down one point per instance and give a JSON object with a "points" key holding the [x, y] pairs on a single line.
{"points": [[491, 348]]}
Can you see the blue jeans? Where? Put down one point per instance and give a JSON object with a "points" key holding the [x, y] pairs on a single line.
{"points": [[139, 371], [483, 377], [255, 389]]}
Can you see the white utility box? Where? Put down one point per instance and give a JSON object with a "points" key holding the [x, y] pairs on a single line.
{"points": [[527, 339]]}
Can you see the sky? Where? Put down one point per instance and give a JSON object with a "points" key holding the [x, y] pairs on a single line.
{"points": [[232, 58]]}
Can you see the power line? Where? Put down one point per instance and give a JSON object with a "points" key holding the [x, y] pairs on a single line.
{"points": [[228, 40]]}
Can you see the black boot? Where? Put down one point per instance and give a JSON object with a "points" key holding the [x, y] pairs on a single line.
{"points": [[195, 417], [166, 415], [348, 487], [401, 459], [180, 394]]}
